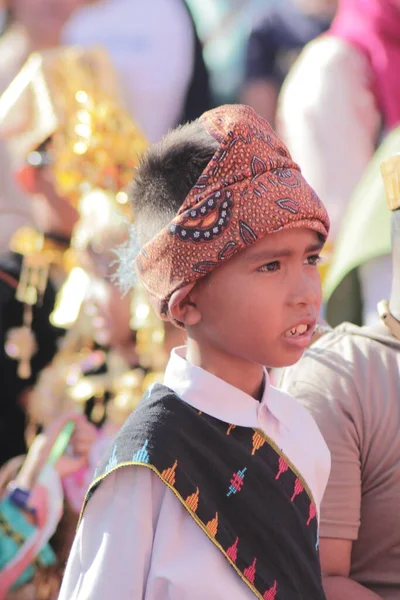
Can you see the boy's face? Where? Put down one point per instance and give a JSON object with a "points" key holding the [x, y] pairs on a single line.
{"points": [[261, 307]]}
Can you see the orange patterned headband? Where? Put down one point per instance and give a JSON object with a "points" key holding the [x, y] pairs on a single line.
{"points": [[250, 188]]}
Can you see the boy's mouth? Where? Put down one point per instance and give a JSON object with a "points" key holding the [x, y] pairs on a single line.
{"points": [[298, 330]]}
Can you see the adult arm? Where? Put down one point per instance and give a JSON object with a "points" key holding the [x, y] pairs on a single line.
{"points": [[335, 562]]}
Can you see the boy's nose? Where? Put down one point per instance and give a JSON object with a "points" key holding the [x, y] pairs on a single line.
{"points": [[307, 291]]}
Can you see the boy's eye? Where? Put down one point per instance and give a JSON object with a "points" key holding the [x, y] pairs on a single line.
{"points": [[270, 267], [313, 260]]}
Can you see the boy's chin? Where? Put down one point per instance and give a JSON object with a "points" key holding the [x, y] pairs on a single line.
{"points": [[287, 360]]}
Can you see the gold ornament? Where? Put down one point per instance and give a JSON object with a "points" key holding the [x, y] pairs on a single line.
{"points": [[388, 319], [39, 253], [390, 170], [69, 97], [21, 345]]}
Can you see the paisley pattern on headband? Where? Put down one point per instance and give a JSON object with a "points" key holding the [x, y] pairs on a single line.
{"points": [[249, 189]]}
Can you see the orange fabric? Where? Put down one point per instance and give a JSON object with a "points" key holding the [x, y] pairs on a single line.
{"points": [[249, 189]]}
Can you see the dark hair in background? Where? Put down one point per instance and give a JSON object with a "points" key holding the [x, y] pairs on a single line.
{"points": [[165, 176], [198, 98]]}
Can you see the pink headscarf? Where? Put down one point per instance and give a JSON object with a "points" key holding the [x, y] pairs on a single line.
{"points": [[373, 26]]}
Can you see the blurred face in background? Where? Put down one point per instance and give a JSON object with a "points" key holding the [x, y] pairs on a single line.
{"points": [[44, 19], [110, 314], [51, 212]]}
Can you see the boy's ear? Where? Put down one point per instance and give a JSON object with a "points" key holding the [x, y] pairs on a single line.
{"points": [[182, 307]]}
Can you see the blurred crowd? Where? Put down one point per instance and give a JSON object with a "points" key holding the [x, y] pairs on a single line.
{"points": [[85, 86]]}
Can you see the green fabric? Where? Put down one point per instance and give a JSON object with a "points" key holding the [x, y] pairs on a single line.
{"points": [[365, 235]]}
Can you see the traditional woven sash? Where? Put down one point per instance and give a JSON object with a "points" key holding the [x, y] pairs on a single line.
{"points": [[236, 484]]}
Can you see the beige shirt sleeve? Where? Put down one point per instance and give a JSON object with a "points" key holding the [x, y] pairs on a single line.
{"points": [[328, 118], [330, 396]]}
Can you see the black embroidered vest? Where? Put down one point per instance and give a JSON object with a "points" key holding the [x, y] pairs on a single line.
{"points": [[236, 484]]}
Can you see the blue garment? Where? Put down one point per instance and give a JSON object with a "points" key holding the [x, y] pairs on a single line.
{"points": [[278, 38]]}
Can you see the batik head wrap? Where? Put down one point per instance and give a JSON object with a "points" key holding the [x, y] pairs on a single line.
{"points": [[250, 188]]}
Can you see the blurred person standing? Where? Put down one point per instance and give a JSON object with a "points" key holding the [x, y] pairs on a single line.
{"points": [[340, 98], [156, 50], [89, 151], [274, 44], [52, 161]]}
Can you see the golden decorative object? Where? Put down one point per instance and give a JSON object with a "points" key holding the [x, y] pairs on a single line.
{"points": [[390, 170], [100, 149], [388, 319], [39, 253], [69, 96], [21, 345], [41, 98]]}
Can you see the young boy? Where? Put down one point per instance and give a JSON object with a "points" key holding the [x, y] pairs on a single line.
{"points": [[224, 473]]}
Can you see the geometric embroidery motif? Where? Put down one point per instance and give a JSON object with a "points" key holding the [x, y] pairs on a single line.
{"points": [[142, 455], [258, 442], [250, 572], [236, 482], [283, 466], [233, 550], [113, 460], [312, 514], [212, 526], [192, 502], [169, 474], [298, 488], [271, 593]]}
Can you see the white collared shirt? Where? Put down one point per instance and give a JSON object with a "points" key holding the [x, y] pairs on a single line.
{"points": [[136, 540]]}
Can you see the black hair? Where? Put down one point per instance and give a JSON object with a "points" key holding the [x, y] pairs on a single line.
{"points": [[165, 176]]}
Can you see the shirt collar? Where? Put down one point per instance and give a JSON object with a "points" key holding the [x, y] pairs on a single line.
{"points": [[210, 394]]}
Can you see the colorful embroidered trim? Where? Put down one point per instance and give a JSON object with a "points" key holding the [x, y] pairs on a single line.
{"points": [[238, 500]]}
